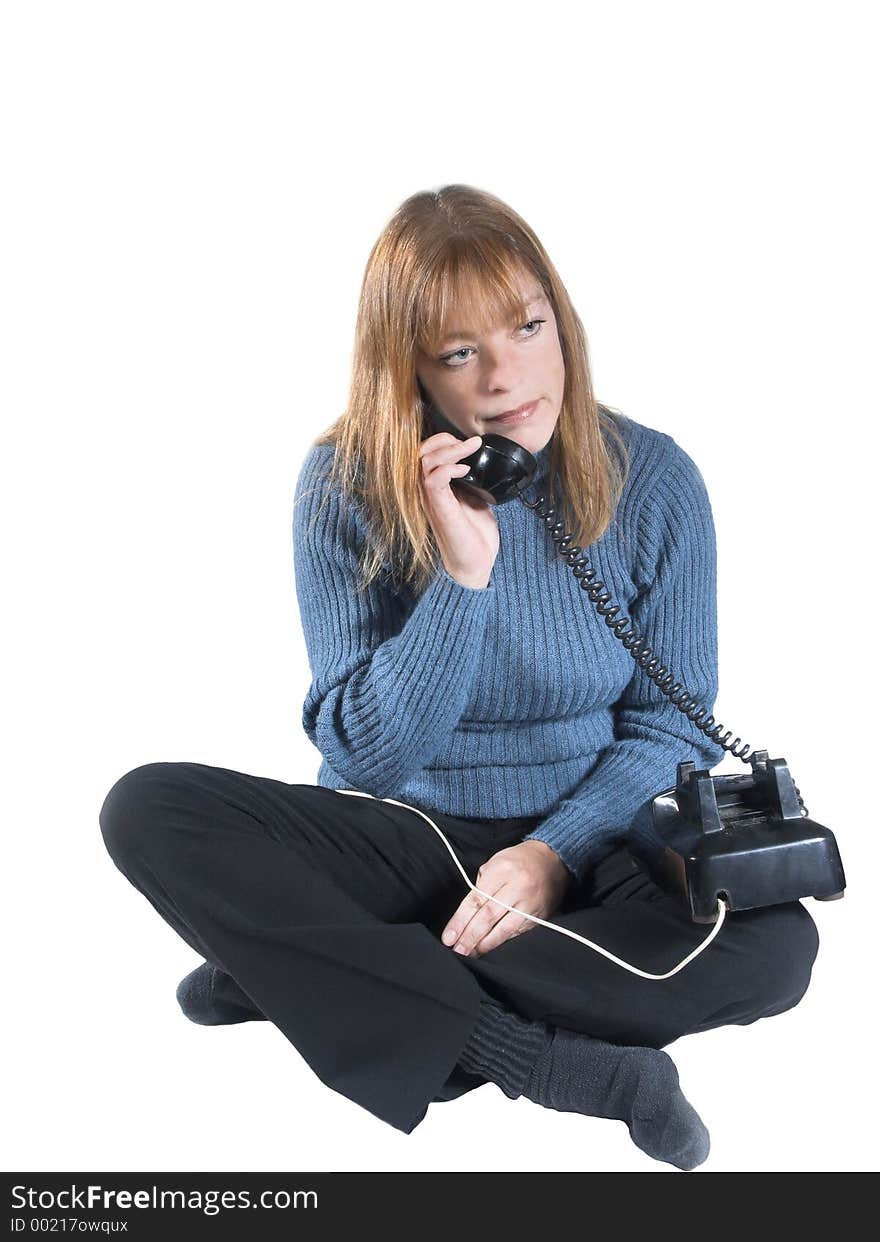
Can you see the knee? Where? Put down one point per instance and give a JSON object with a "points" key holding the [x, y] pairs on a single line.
{"points": [[790, 950], [125, 816]]}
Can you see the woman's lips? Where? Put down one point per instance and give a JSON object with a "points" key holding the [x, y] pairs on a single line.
{"points": [[518, 416]]}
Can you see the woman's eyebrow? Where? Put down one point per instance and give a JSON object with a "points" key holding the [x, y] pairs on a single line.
{"points": [[537, 300]]}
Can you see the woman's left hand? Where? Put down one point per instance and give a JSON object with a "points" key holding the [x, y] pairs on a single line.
{"points": [[530, 876]]}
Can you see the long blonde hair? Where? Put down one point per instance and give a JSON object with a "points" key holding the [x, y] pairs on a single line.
{"points": [[456, 245]]}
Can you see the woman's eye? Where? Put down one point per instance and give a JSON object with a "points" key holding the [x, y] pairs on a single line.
{"points": [[446, 359]]}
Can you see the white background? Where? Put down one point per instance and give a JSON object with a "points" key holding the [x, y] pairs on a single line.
{"points": [[191, 194]]}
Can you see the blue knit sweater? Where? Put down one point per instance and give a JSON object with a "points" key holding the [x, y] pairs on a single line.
{"points": [[516, 699]]}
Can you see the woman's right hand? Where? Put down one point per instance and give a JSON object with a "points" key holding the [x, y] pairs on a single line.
{"points": [[464, 526]]}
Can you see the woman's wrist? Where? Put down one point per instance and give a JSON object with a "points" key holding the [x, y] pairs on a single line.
{"points": [[550, 857]]}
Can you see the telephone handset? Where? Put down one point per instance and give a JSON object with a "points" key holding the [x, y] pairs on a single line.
{"points": [[499, 469], [744, 840]]}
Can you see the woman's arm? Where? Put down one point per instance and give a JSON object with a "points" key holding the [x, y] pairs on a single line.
{"points": [[387, 690], [676, 613]]}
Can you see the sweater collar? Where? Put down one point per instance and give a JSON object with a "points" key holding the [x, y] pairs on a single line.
{"points": [[542, 457]]}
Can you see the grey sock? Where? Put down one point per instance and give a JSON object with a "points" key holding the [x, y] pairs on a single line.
{"points": [[575, 1073], [504, 1047], [210, 997]]}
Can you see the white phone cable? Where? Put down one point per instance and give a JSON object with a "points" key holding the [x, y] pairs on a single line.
{"points": [[716, 928]]}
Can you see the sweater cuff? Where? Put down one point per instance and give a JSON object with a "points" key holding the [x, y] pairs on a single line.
{"points": [[443, 572], [579, 851]]}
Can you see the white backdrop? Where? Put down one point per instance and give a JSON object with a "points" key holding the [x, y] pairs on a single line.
{"points": [[192, 191]]}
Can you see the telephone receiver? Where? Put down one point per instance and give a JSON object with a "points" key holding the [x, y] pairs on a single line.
{"points": [[500, 468], [745, 840]]}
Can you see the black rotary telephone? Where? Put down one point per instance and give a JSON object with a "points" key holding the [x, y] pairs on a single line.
{"points": [[746, 840]]}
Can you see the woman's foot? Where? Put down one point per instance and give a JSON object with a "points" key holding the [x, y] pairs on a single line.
{"points": [[576, 1073], [639, 1086], [210, 997]]}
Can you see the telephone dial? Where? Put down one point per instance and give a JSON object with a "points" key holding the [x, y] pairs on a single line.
{"points": [[744, 841]]}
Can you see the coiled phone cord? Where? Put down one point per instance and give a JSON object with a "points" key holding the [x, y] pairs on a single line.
{"points": [[677, 693], [566, 931]]}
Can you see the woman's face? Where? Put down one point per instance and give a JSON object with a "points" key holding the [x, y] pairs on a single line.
{"points": [[473, 380]]}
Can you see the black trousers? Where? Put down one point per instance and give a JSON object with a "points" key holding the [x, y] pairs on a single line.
{"points": [[324, 912]]}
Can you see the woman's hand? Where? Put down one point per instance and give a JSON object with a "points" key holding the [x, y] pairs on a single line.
{"points": [[464, 526], [530, 876]]}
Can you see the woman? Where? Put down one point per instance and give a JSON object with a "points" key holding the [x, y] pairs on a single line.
{"points": [[457, 668]]}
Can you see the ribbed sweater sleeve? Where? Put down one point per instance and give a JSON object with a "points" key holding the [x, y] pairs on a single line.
{"points": [[676, 612], [387, 689]]}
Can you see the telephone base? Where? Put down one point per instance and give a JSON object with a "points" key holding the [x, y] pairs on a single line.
{"points": [[743, 839]]}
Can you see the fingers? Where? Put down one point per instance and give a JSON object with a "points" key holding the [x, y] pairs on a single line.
{"points": [[469, 928], [443, 440], [505, 929], [471, 921], [445, 450], [441, 463]]}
